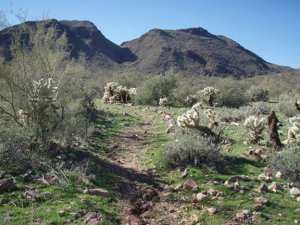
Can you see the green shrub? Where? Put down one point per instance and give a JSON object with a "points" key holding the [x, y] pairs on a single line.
{"points": [[286, 104], [191, 148], [258, 93], [287, 162], [17, 153], [155, 88], [231, 97]]}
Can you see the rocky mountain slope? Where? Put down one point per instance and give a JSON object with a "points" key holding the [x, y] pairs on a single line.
{"points": [[190, 52]]}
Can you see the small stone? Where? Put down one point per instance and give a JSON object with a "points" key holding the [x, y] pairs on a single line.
{"points": [[149, 194], [172, 210], [190, 184], [236, 186], [295, 191], [48, 195], [262, 188], [97, 191], [274, 187], [31, 194], [200, 197], [7, 185], [114, 146], [212, 192], [243, 215], [297, 210], [212, 210], [261, 200], [298, 199], [296, 221], [259, 207], [61, 212], [185, 173], [278, 175], [177, 187]]}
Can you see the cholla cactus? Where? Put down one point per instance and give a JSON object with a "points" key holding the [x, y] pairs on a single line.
{"points": [[163, 101], [256, 127], [294, 130], [211, 115], [115, 93], [44, 90], [23, 117], [208, 94], [191, 119], [109, 91]]}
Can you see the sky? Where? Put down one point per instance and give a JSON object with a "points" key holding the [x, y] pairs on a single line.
{"points": [[269, 28]]}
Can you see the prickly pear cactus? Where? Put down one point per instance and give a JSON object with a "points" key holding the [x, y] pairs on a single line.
{"points": [[255, 126]]}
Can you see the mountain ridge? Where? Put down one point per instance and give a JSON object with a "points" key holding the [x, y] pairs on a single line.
{"points": [[189, 51]]}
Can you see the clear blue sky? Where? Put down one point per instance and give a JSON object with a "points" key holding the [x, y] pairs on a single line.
{"points": [[270, 28]]}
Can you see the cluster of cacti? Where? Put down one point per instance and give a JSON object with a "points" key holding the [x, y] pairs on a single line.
{"points": [[208, 94], [255, 126], [116, 93], [163, 101], [192, 119], [294, 130]]}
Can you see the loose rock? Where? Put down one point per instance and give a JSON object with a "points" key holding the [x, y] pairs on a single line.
{"points": [[262, 188], [7, 185], [212, 210], [200, 197], [190, 184], [97, 191], [295, 191], [274, 187], [261, 200]]}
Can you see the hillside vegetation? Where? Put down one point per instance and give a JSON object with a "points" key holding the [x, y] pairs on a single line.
{"points": [[84, 148]]}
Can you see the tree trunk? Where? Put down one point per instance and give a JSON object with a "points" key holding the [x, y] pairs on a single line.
{"points": [[273, 131]]}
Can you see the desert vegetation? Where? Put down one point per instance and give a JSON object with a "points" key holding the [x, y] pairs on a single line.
{"points": [[78, 147]]}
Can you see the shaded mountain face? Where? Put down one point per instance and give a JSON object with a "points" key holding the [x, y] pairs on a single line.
{"points": [[190, 52], [195, 52], [83, 37]]}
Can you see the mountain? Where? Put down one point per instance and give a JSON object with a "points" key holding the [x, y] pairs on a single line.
{"points": [[195, 51], [83, 37], [189, 52]]}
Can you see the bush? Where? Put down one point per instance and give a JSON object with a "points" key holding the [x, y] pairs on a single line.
{"points": [[231, 97], [287, 162], [258, 93], [155, 88], [193, 149], [286, 104], [16, 150]]}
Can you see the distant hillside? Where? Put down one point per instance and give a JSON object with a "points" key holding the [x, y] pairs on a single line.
{"points": [[190, 52], [195, 51], [83, 37]]}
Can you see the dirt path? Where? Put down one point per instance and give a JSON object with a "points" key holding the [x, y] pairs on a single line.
{"points": [[143, 198]]}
